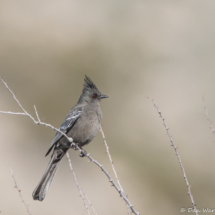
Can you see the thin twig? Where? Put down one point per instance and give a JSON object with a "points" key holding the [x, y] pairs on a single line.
{"points": [[76, 181], [128, 209], [20, 194], [70, 140], [114, 185], [177, 154], [31, 117], [38, 118], [91, 205], [111, 161], [208, 118]]}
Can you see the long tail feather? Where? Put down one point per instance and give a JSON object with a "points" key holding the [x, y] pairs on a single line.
{"points": [[44, 184]]}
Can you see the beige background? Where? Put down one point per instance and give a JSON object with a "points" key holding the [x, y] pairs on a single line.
{"points": [[165, 49]]}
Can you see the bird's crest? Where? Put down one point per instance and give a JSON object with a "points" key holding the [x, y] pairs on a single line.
{"points": [[89, 85]]}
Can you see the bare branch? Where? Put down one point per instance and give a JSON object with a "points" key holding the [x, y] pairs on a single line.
{"points": [[176, 153], [31, 117], [111, 161], [79, 188], [208, 118], [91, 205], [20, 194], [13, 113], [71, 141], [114, 185], [128, 209], [13, 95], [38, 118], [107, 150]]}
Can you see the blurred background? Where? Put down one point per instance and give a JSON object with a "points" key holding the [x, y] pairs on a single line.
{"points": [[165, 49]]}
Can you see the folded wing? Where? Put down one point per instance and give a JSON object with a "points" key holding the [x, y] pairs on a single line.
{"points": [[67, 124]]}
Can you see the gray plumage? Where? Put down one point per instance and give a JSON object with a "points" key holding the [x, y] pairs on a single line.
{"points": [[81, 124]]}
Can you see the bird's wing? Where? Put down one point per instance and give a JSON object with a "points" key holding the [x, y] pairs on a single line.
{"points": [[67, 124]]}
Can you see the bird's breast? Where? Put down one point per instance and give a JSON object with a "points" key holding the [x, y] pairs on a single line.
{"points": [[86, 127]]}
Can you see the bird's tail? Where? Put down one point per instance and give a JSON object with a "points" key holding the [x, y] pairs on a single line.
{"points": [[44, 184]]}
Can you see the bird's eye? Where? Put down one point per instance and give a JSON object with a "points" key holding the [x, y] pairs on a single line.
{"points": [[95, 95]]}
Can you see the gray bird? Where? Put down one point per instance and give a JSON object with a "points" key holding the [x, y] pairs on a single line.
{"points": [[81, 124]]}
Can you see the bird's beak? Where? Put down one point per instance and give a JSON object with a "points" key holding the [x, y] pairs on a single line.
{"points": [[103, 96]]}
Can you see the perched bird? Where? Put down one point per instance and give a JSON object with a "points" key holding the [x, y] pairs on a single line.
{"points": [[81, 124]]}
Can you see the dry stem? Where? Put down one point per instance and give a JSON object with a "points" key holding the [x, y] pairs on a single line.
{"points": [[38, 122], [20, 194], [70, 140], [91, 205], [111, 161], [176, 153], [114, 185]]}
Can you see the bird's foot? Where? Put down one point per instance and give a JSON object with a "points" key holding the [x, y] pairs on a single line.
{"points": [[83, 153], [75, 147]]}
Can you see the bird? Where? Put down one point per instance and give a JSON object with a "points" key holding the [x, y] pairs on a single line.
{"points": [[81, 124]]}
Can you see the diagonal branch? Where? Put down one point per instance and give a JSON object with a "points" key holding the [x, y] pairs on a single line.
{"points": [[20, 194], [114, 185], [176, 153], [71, 141], [31, 117]]}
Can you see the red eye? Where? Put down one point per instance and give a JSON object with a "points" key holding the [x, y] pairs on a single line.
{"points": [[94, 95]]}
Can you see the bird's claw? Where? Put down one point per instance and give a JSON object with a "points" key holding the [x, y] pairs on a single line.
{"points": [[83, 153], [75, 147]]}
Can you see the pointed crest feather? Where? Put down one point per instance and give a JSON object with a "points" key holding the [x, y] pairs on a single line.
{"points": [[89, 85]]}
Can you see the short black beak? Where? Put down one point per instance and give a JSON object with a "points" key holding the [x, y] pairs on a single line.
{"points": [[103, 96]]}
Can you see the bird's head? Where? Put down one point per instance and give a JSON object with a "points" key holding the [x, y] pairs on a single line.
{"points": [[90, 93]]}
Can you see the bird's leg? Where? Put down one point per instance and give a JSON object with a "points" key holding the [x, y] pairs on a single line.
{"points": [[83, 153], [74, 146]]}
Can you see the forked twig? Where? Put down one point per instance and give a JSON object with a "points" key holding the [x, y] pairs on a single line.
{"points": [[70, 140], [114, 185], [20, 194], [176, 153], [38, 122]]}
